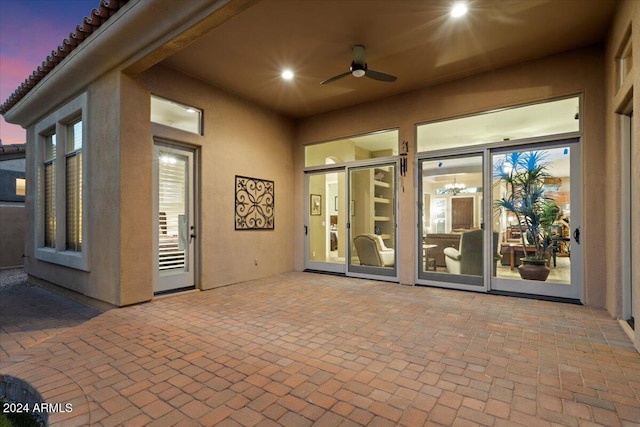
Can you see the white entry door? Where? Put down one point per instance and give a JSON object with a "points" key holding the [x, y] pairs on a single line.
{"points": [[176, 228]]}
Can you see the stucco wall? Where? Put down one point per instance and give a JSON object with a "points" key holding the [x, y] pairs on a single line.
{"points": [[101, 197], [136, 194], [12, 220], [239, 138], [575, 72], [622, 99]]}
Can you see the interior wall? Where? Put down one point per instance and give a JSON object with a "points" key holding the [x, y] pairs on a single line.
{"points": [[576, 72], [239, 138]]}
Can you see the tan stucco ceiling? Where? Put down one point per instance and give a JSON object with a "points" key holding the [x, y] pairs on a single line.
{"points": [[415, 40]]}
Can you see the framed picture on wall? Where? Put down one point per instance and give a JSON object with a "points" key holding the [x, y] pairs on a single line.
{"points": [[316, 204]]}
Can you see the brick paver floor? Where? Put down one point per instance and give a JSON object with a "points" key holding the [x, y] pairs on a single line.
{"points": [[304, 349]]}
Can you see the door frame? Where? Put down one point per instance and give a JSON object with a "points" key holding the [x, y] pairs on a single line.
{"points": [[193, 154]]}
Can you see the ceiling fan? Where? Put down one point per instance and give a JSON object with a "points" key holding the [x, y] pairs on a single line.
{"points": [[359, 68]]}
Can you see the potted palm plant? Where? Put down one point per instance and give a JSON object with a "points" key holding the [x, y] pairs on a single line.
{"points": [[523, 174]]}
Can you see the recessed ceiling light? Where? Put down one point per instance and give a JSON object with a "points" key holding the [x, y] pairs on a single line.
{"points": [[287, 75], [458, 10]]}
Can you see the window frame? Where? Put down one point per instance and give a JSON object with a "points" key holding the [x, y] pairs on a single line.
{"points": [[59, 122]]}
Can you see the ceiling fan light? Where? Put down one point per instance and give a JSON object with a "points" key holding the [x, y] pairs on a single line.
{"points": [[357, 73]]}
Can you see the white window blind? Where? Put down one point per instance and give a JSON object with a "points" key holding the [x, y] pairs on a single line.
{"points": [[73, 188], [74, 202], [50, 192], [172, 205]]}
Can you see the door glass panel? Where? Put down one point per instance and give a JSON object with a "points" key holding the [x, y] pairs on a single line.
{"points": [[372, 219], [327, 228], [452, 244], [173, 230], [545, 234]]}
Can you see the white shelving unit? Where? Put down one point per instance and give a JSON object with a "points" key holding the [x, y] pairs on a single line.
{"points": [[382, 203]]}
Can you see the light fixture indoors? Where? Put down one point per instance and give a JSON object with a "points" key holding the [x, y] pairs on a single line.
{"points": [[458, 10], [455, 187]]}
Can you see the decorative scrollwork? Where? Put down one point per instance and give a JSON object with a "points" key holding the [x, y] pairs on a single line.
{"points": [[255, 203]]}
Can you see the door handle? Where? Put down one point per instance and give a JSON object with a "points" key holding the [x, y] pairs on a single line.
{"points": [[576, 235], [193, 233], [306, 230]]}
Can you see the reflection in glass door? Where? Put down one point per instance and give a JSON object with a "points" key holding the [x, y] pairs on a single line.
{"points": [[452, 244], [326, 228], [372, 221], [537, 219]]}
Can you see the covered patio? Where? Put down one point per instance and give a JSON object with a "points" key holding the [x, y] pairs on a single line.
{"points": [[302, 349]]}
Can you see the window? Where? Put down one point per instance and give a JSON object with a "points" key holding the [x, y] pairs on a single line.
{"points": [[21, 187], [361, 147], [60, 236], [529, 121], [624, 61], [175, 115]]}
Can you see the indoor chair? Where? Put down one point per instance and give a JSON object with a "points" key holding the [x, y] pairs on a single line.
{"points": [[371, 250]]}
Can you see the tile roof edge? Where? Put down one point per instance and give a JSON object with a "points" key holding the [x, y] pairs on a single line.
{"points": [[12, 148], [89, 25]]}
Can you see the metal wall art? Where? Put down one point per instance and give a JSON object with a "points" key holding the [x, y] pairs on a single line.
{"points": [[255, 203]]}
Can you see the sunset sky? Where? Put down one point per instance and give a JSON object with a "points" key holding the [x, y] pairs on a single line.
{"points": [[29, 31]]}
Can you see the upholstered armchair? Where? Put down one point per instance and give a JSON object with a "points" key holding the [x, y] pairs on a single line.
{"points": [[371, 250], [468, 260]]}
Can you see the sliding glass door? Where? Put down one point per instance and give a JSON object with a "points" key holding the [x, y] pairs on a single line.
{"points": [[555, 235], [452, 247], [326, 229], [469, 239], [372, 220], [351, 221]]}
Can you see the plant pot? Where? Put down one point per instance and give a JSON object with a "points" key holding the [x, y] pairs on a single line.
{"points": [[533, 269]]}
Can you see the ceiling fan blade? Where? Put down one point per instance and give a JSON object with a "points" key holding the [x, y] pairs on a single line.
{"points": [[377, 75], [334, 78]]}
